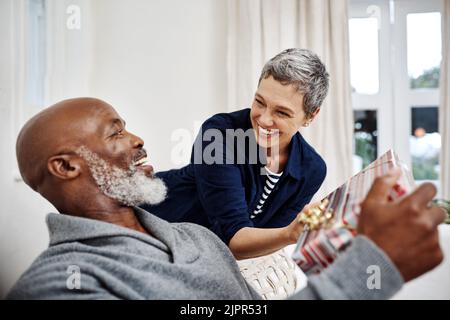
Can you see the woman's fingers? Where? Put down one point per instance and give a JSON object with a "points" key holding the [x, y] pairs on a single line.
{"points": [[310, 205]]}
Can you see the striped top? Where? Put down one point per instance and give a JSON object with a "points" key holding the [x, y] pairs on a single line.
{"points": [[271, 180]]}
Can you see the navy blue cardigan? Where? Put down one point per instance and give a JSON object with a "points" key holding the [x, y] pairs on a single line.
{"points": [[221, 197]]}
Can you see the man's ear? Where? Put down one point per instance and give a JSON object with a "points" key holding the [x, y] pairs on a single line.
{"points": [[64, 166]]}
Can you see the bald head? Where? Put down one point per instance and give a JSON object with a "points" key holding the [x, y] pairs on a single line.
{"points": [[58, 129]]}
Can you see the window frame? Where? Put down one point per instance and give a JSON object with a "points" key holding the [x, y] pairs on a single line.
{"points": [[405, 97], [395, 98], [379, 101]]}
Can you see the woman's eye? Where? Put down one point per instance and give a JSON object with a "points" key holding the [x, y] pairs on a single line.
{"points": [[283, 114], [259, 103]]}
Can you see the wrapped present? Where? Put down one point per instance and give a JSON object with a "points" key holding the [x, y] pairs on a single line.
{"points": [[316, 249]]}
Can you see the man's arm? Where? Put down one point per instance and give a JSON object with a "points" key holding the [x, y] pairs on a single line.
{"points": [[363, 271]]}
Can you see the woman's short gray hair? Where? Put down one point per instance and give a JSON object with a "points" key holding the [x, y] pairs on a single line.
{"points": [[304, 69]]}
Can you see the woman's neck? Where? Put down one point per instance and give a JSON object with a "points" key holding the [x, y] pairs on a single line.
{"points": [[276, 161]]}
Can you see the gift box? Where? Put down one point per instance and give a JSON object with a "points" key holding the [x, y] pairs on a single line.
{"points": [[318, 249]]}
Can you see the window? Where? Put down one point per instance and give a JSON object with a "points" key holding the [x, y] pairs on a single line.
{"points": [[425, 143], [29, 60], [395, 54], [363, 33], [365, 138], [424, 49], [36, 53]]}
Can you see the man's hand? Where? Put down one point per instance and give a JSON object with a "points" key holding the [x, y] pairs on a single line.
{"points": [[405, 229]]}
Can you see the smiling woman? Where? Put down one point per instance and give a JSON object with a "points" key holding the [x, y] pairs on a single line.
{"points": [[276, 116], [252, 205]]}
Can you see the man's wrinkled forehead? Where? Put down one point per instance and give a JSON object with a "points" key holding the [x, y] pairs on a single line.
{"points": [[101, 119]]}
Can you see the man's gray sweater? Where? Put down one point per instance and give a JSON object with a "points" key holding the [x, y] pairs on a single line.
{"points": [[179, 261]]}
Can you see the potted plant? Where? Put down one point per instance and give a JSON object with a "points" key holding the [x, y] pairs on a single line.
{"points": [[445, 204]]}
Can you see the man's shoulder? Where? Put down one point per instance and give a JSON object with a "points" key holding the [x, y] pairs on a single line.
{"points": [[51, 274], [44, 270], [194, 230], [202, 236]]}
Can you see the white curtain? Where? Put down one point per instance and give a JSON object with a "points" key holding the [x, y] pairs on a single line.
{"points": [[259, 29], [444, 111]]}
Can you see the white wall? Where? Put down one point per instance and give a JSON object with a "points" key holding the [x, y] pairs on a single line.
{"points": [[161, 63]]}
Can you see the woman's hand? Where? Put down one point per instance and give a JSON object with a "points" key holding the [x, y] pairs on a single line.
{"points": [[254, 242], [294, 229]]}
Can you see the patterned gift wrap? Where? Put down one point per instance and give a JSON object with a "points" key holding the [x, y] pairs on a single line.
{"points": [[321, 247]]}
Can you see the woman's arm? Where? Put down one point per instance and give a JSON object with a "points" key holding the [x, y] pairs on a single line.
{"points": [[255, 242]]}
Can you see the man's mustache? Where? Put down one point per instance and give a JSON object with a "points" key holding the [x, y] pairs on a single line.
{"points": [[142, 153]]}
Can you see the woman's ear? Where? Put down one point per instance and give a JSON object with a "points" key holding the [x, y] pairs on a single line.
{"points": [[64, 166], [314, 114], [310, 119]]}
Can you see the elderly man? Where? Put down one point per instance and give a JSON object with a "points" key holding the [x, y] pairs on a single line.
{"points": [[79, 156]]}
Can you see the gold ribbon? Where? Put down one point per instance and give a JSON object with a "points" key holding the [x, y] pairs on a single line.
{"points": [[317, 217]]}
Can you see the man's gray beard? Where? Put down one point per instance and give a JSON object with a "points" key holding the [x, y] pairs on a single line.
{"points": [[130, 187]]}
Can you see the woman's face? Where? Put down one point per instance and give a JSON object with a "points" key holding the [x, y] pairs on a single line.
{"points": [[277, 114]]}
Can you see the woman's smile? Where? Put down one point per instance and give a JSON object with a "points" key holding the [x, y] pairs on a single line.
{"points": [[268, 133]]}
